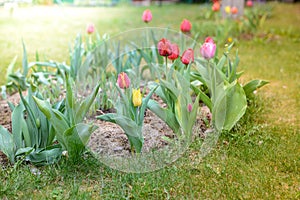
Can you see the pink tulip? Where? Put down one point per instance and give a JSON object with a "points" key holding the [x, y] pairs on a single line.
{"points": [[175, 52], [123, 80], [234, 10], [186, 26], [187, 56], [90, 28], [208, 49], [164, 47], [249, 3], [147, 16]]}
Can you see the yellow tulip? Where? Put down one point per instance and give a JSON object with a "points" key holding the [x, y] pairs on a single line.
{"points": [[136, 97], [227, 9]]}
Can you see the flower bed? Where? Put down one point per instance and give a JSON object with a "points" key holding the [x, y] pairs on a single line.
{"points": [[124, 74]]}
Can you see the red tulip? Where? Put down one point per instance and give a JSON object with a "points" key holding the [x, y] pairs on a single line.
{"points": [[187, 56], [216, 6], [186, 26], [175, 52], [123, 80], [234, 10], [147, 16], [90, 28], [208, 49], [164, 47], [249, 3]]}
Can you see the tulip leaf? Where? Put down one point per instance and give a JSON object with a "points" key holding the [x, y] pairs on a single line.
{"points": [[229, 107], [17, 114], [131, 129], [165, 114], [25, 150], [206, 100], [253, 85], [77, 137], [86, 104], [24, 61], [57, 119], [7, 145], [144, 106], [45, 156]]}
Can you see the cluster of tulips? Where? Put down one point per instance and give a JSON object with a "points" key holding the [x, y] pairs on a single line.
{"points": [[229, 10], [171, 50]]}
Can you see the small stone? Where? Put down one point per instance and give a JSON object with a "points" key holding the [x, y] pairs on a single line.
{"points": [[118, 148]]}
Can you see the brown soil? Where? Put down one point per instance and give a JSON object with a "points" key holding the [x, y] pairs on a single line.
{"points": [[109, 138]]}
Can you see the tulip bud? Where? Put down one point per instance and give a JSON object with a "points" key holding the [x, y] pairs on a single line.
{"points": [[175, 52], [189, 107], [208, 49], [136, 97], [123, 80], [234, 10], [38, 122], [216, 6], [164, 47], [186, 26], [147, 16], [187, 56], [90, 28]]}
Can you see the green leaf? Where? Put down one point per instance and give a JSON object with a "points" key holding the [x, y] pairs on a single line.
{"points": [[76, 57], [233, 75], [10, 68], [25, 150], [85, 105], [221, 62], [77, 137], [24, 61], [144, 106], [31, 119], [229, 107], [26, 133], [253, 85], [70, 102], [17, 129], [170, 87], [206, 100], [45, 156], [165, 114], [57, 119], [7, 145], [193, 114], [181, 112], [132, 130]]}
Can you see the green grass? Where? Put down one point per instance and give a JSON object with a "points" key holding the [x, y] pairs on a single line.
{"points": [[260, 159]]}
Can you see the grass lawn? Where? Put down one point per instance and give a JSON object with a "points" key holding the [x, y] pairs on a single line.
{"points": [[260, 159]]}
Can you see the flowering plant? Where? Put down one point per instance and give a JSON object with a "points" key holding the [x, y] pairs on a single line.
{"points": [[174, 89], [228, 97], [131, 108]]}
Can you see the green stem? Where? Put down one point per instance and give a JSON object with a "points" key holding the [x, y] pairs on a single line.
{"points": [[166, 69]]}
